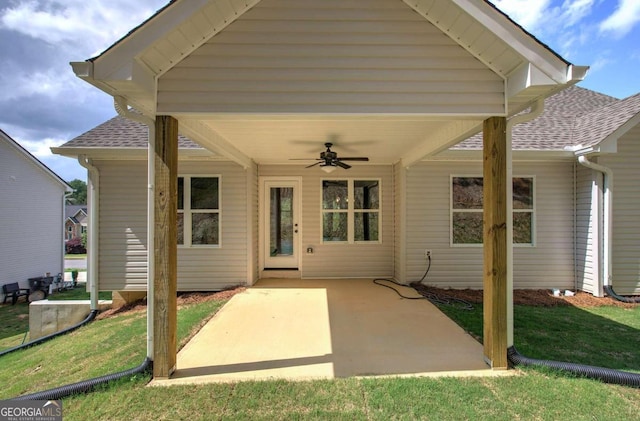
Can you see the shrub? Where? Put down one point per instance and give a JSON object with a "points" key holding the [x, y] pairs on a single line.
{"points": [[74, 246]]}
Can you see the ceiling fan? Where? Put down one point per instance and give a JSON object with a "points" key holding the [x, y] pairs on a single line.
{"points": [[329, 160]]}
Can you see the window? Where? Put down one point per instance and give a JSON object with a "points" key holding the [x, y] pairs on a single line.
{"points": [[350, 211], [199, 211], [466, 210]]}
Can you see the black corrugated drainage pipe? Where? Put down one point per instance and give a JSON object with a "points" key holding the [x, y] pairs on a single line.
{"points": [[609, 290], [92, 315], [85, 386], [606, 375]]}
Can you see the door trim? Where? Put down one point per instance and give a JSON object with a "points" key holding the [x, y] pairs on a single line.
{"points": [[264, 212]]}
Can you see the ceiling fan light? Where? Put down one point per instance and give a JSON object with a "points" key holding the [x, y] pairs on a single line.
{"points": [[328, 168]]}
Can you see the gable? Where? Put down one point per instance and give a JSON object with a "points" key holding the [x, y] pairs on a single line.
{"points": [[331, 57]]}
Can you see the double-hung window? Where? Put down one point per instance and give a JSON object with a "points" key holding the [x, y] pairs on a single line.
{"points": [[199, 211], [466, 210], [350, 211]]}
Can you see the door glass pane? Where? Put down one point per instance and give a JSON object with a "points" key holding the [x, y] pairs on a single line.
{"points": [[334, 226], [281, 221], [335, 194]]}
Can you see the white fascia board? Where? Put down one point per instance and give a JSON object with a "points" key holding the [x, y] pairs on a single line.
{"points": [[527, 76], [131, 154], [525, 45], [518, 155]]}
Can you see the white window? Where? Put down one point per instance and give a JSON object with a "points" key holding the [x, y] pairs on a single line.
{"points": [[466, 210], [351, 211], [199, 211]]}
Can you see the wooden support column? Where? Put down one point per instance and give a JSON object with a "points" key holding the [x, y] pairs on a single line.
{"points": [[495, 241], [165, 314]]}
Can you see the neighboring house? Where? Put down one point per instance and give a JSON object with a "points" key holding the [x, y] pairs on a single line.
{"points": [[558, 205], [32, 201], [261, 83], [75, 222]]}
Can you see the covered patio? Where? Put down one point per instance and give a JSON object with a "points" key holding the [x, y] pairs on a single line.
{"points": [[321, 329]]}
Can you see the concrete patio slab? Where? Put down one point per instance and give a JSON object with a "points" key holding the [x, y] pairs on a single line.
{"points": [[321, 329]]}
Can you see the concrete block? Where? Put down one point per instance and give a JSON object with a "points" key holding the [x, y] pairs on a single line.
{"points": [[47, 317]]}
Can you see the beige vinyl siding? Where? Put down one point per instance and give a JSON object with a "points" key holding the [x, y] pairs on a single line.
{"points": [[31, 218], [549, 264], [331, 56], [587, 230], [626, 218], [123, 230], [341, 260]]}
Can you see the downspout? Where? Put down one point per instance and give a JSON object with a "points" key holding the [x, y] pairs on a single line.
{"points": [[123, 110], [65, 196], [534, 112], [93, 190], [607, 185]]}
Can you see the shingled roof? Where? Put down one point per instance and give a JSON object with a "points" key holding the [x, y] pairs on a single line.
{"points": [[120, 132], [554, 129]]}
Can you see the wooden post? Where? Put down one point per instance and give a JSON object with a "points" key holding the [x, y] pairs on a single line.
{"points": [[495, 242], [165, 317]]}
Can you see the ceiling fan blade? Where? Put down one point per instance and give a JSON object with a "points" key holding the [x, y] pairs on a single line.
{"points": [[358, 158], [313, 165], [303, 159], [342, 165]]}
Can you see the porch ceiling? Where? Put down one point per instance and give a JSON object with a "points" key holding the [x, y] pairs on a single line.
{"points": [[298, 140]]}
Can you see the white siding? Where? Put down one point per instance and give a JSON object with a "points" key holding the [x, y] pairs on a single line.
{"points": [[123, 231], [626, 218], [31, 218], [341, 260], [587, 230], [331, 56], [547, 265]]}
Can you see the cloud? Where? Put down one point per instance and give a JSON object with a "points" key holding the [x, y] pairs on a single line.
{"points": [[92, 25], [528, 13], [575, 11], [622, 21]]}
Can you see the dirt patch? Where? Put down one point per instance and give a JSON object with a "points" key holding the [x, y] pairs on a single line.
{"points": [[529, 297], [184, 298]]}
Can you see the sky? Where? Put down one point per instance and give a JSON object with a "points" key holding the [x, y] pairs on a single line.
{"points": [[43, 104]]}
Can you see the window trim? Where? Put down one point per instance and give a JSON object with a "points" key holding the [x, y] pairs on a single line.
{"points": [[533, 211], [187, 200], [351, 211]]}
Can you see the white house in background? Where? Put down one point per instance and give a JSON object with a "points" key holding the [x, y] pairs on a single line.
{"points": [[558, 220], [32, 199]]}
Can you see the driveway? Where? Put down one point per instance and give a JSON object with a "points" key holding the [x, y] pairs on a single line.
{"points": [[314, 329]]}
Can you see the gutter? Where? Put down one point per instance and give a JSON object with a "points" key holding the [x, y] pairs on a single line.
{"points": [[122, 107], [93, 190], [535, 111], [607, 270]]}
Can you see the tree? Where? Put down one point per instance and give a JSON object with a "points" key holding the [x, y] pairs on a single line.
{"points": [[79, 195]]}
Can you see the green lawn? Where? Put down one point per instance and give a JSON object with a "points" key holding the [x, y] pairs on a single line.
{"points": [[118, 343], [14, 319]]}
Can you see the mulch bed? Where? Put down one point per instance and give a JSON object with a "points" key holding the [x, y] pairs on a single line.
{"points": [[528, 297], [184, 298]]}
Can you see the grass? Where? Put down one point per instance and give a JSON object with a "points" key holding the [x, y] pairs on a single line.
{"points": [[118, 343], [75, 256], [601, 336], [14, 319]]}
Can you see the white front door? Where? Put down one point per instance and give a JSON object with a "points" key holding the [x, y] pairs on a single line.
{"points": [[281, 223]]}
